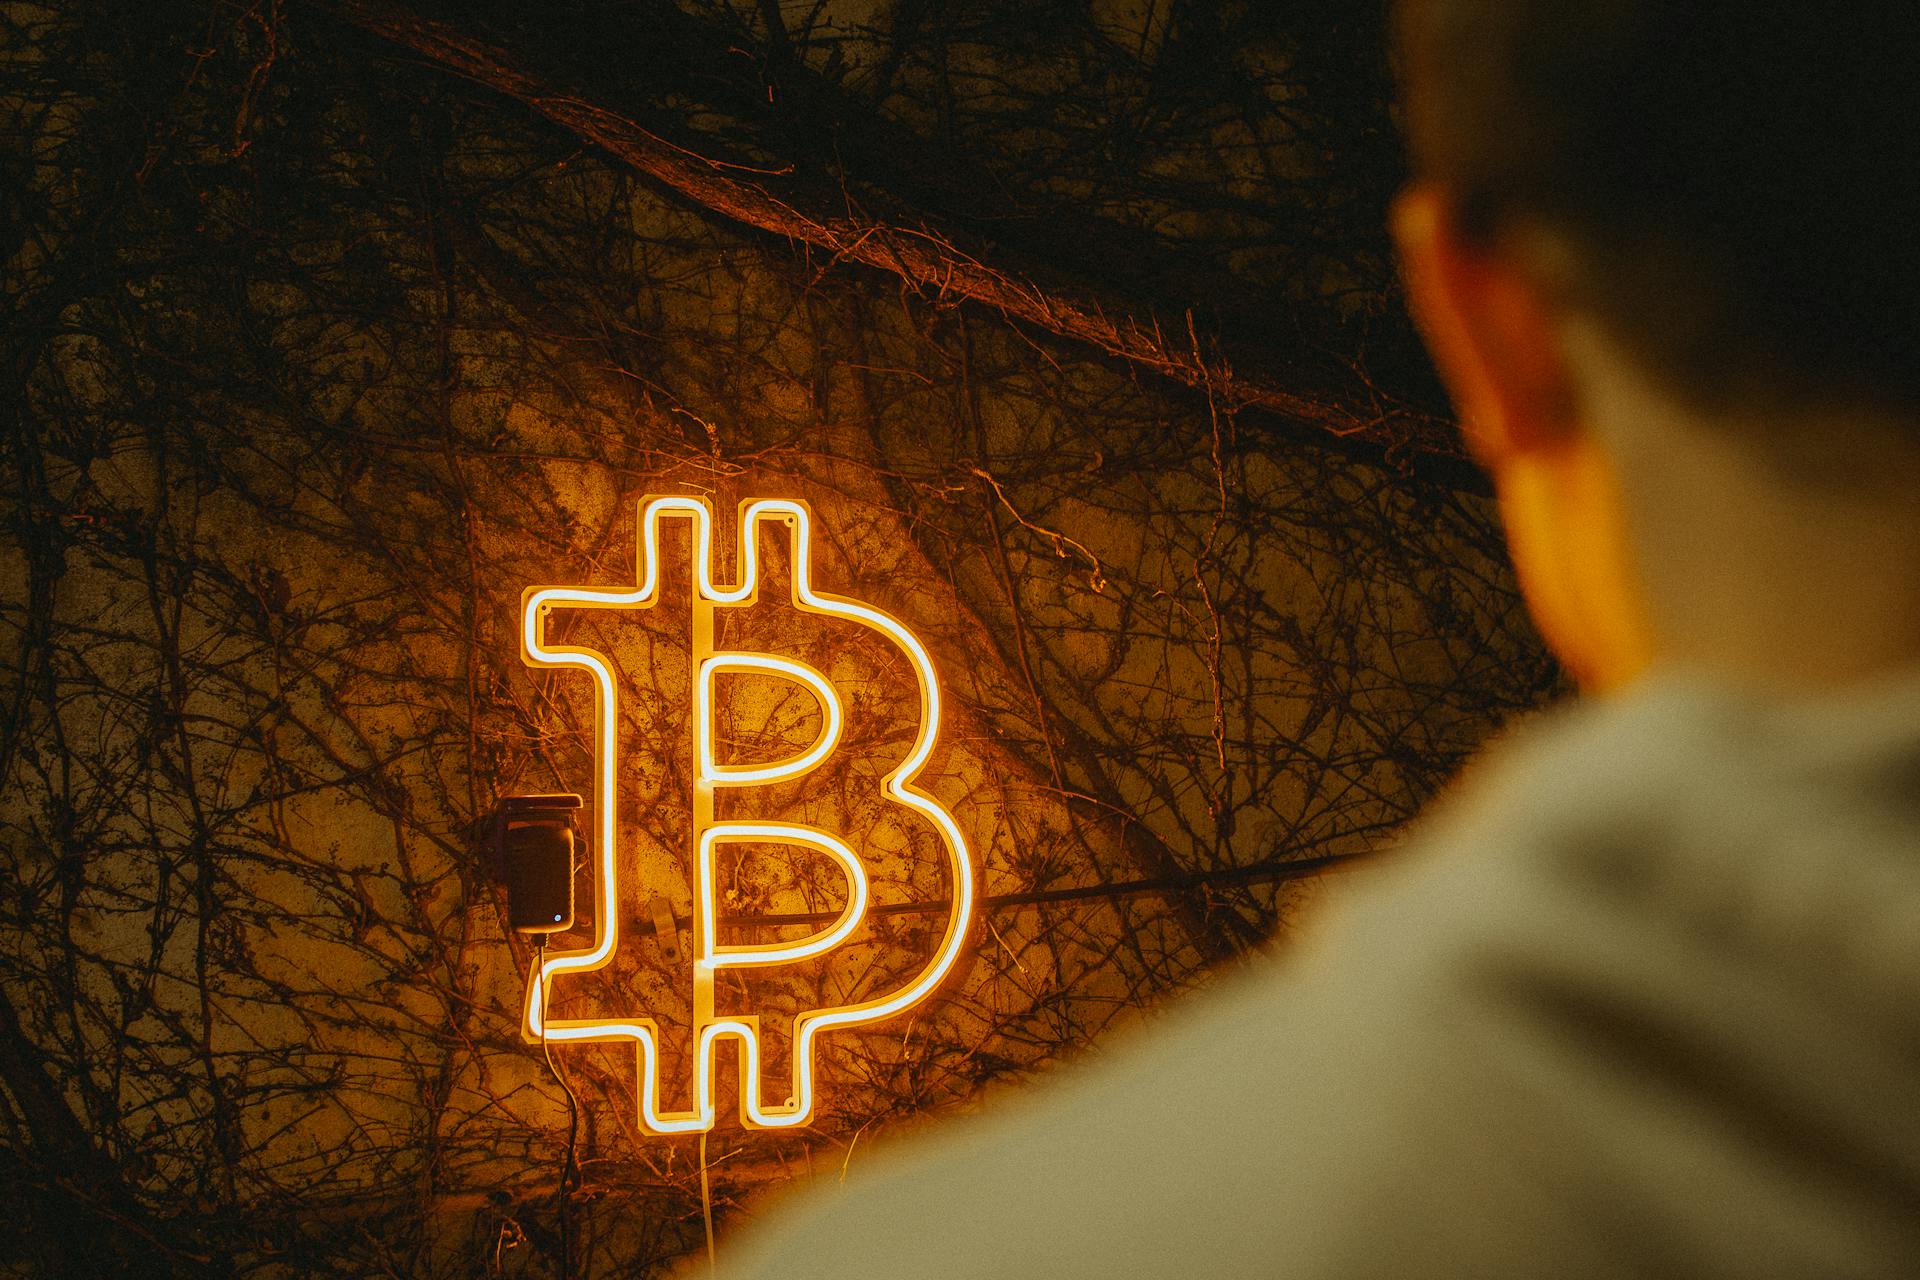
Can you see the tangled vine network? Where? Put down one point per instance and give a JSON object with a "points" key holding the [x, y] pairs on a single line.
{"points": [[335, 325]]}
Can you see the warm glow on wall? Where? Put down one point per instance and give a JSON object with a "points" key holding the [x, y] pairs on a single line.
{"points": [[709, 1030]]}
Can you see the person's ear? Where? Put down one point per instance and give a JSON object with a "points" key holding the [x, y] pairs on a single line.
{"points": [[1500, 348], [1492, 334]]}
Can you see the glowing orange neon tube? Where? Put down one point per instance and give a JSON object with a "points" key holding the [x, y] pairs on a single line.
{"points": [[710, 956]]}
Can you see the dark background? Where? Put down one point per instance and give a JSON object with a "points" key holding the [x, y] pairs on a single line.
{"points": [[333, 326]]}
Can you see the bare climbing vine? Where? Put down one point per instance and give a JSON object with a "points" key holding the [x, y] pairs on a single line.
{"points": [[319, 356]]}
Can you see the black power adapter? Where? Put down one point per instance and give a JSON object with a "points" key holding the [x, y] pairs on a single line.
{"points": [[534, 841]]}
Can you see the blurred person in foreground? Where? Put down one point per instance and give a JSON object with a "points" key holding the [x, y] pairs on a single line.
{"points": [[1643, 998]]}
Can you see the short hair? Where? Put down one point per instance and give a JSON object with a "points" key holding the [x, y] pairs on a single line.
{"points": [[1738, 184]]}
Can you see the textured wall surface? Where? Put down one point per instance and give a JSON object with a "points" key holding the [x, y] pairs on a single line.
{"points": [[318, 360]]}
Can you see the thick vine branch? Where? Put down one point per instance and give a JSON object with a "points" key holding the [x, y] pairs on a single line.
{"points": [[933, 261], [1266, 871]]}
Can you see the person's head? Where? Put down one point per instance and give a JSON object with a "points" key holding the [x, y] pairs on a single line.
{"points": [[1667, 255]]}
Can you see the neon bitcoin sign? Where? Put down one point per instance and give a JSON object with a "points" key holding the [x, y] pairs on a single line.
{"points": [[710, 599]]}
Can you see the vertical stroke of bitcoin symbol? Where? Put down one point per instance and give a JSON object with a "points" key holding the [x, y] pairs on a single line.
{"points": [[708, 834]]}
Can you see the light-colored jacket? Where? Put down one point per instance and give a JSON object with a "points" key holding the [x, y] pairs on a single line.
{"points": [[1644, 1000]]}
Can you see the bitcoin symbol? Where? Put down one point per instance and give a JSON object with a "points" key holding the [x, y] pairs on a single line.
{"points": [[710, 1031]]}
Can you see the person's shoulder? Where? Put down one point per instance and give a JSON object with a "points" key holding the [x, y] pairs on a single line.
{"points": [[1687, 827], [1564, 802], [1680, 766]]}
